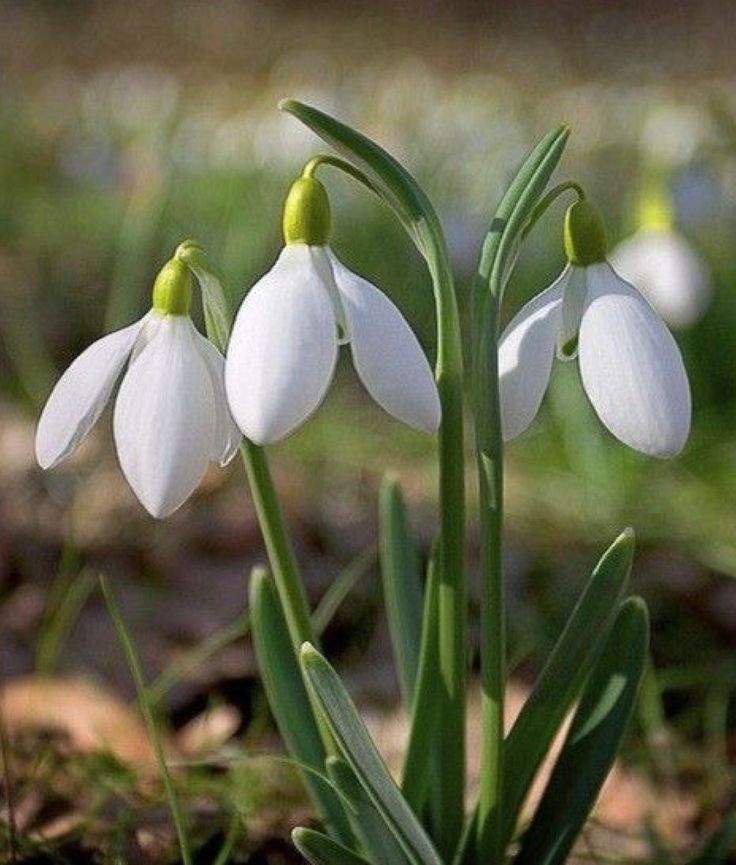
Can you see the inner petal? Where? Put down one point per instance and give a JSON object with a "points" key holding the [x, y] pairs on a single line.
{"points": [[573, 304]]}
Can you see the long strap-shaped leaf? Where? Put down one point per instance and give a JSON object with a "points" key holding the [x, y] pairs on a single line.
{"points": [[423, 731], [363, 758], [369, 827], [289, 700], [402, 590], [564, 674], [592, 741], [320, 849]]}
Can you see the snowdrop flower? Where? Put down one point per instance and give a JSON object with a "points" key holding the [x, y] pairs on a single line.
{"points": [[665, 267], [284, 343], [630, 365], [171, 417]]}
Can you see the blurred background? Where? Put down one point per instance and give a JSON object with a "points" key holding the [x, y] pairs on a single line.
{"points": [[126, 128]]}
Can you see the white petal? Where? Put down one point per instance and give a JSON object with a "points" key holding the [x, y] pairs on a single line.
{"points": [[631, 367], [81, 394], [165, 417], [387, 356], [667, 271], [227, 436], [283, 346], [525, 354]]}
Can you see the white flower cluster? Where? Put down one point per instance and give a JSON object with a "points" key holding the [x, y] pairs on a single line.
{"points": [[182, 405]]}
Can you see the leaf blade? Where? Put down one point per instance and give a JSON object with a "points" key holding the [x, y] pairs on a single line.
{"points": [[320, 849], [289, 700], [363, 758], [564, 674], [591, 743], [401, 586]]}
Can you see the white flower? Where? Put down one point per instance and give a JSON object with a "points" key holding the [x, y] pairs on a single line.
{"points": [[630, 365], [171, 417], [284, 344], [668, 272]]}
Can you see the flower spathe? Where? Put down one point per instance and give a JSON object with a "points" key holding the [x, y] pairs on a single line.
{"points": [[171, 416], [668, 272], [284, 345], [630, 365]]}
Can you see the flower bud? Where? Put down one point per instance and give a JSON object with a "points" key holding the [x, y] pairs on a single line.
{"points": [[585, 235], [307, 213], [172, 290]]}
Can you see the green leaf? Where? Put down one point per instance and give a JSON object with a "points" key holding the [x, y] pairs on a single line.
{"points": [[563, 676], [402, 591], [419, 755], [517, 206], [363, 758], [289, 700], [383, 174], [369, 827], [592, 741], [320, 849]]}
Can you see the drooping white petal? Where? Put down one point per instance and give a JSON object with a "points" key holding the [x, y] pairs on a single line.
{"points": [[164, 418], [283, 346], [387, 356], [631, 367], [81, 394], [227, 436], [525, 354], [667, 271]]}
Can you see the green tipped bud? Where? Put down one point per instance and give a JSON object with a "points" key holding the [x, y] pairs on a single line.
{"points": [[585, 235], [172, 291], [307, 213]]}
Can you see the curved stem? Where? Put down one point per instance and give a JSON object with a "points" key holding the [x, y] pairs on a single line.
{"points": [[549, 198], [314, 163], [452, 594]]}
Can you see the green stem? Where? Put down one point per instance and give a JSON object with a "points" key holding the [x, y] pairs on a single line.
{"points": [[489, 456], [493, 620], [452, 597], [452, 600], [134, 666], [278, 545], [314, 163]]}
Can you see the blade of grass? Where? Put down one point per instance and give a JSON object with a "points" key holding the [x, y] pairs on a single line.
{"points": [[197, 656], [340, 588], [147, 711], [59, 624]]}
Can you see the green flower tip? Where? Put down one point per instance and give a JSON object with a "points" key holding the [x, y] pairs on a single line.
{"points": [[172, 290], [585, 235], [307, 213]]}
